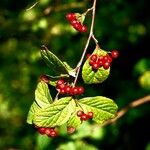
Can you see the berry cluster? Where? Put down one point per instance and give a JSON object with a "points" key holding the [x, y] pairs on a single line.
{"points": [[71, 17], [84, 116], [97, 61], [50, 132], [64, 88]]}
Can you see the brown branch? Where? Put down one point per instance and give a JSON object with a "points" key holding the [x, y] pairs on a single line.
{"points": [[49, 9], [123, 111], [93, 8]]}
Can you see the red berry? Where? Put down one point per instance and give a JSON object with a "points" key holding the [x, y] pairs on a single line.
{"points": [[77, 25], [73, 22], [74, 90], [44, 78], [48, 131], [106, 65], [114, 54], [83, 117], [105, 58], [80, 113], [70, 129], [83, 28], [70, 16], [41, 130], [62, 91], [109, 59], [93, 57], [80, 90], [60, 82], [53, 133], [100, 63], [90, 115], [95, 66], [67, 89]]}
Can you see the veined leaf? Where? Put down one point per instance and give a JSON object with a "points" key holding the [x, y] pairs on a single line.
{"points": [[102, 107], [42, 95], [54, 63], [56, 113], [74, 120], [33, 109], [91, 76]]}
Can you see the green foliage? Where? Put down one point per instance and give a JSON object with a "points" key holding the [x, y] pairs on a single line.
{"points": [[118, 25]]}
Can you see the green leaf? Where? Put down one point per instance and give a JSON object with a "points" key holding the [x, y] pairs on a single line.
{"points": [[56, 113], [102, 107], [42, 95], [72, 72], [54, 63], [74, 120], [91, 76], [33, 109]]}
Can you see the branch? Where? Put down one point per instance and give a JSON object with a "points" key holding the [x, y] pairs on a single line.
{"points": [[93, 8], [123, 111], [49, 9]]}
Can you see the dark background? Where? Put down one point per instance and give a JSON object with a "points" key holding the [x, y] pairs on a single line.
{"points": [[121, 25]]}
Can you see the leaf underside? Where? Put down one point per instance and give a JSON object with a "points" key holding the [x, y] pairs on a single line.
{"points": [[54, 63]]}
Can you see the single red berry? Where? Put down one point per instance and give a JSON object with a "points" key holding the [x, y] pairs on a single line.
{"points": [[71, 129], [48, 131], [74, 90], [61, 86], [77, 25], [83, 28], [90, 115], [73, 22], [44, 78], [80, 90], [106, 65], [53, 133], [84, 117], [109, 59], [60, 81], [70, 16], [80, 113], [67, 89], [95, 66], [105, 58], [114, 54], [41, 130], [94, 57], [100, 63], [62, 91]]}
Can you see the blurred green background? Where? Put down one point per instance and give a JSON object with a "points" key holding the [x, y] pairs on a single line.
{"points": [[121, 25]]}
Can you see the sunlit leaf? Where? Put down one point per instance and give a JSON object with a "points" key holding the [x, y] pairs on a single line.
{"points": [[56, 113], [42, 95], [102, 107]]}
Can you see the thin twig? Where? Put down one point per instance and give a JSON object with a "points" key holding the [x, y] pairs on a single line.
{"points": [[87, 43], [32, 6], [123, 111]]}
